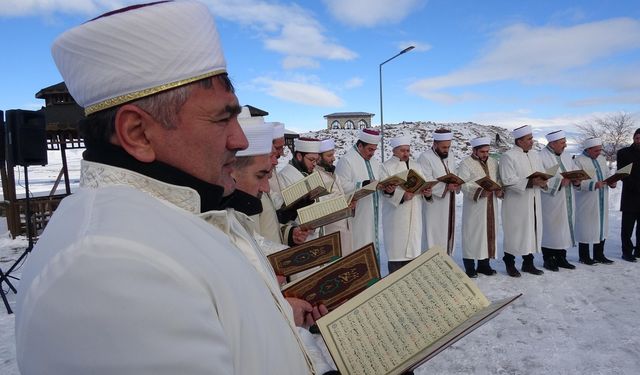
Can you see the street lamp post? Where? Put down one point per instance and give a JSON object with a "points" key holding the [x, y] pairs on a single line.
{"points": [[380, 77]]}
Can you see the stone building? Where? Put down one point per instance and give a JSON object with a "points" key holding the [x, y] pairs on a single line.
{"points": [[349, 120]]}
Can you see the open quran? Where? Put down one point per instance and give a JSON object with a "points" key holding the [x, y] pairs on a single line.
{"points": [[488, 184], [364, 191], [547, 174], [619, 175], [409, 180], [336, 282], [577, 175], [406, 318], [310, 254], [322, 213], [310, 187], [451, 178]]}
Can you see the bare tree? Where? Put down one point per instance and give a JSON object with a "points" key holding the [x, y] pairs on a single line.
{"points": [[615, 131]]}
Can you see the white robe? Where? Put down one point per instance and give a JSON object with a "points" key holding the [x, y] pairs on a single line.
{"points": [[558, 203], [342, 226], [266, 222], [521, 208], [351, 171], [401, 221], [128, 279], [592, 205], [436, 212], [475, 223]]}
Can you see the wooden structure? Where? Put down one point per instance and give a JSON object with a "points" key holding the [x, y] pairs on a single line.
{"points": [[62, 114]]}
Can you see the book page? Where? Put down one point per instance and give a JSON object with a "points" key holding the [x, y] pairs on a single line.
{"points": [[297, 190], [320, 209], [381, 330]]}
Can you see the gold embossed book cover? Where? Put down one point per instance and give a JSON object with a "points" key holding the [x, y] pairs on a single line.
{"points": [[310, 254]]}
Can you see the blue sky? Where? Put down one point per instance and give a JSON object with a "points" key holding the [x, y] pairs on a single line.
{"points": [[507, 63]]}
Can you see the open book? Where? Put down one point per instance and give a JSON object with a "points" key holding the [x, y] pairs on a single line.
{"points": [[336, 282], [451, 178], [620, 174], [577, 175], [409, 180], [488, 184], [364, 191], [547, 174], [312, 253], [310, 187], [406, 318], [322, 213]]}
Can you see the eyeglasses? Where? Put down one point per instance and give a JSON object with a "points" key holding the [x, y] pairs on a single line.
{"points": [[312, 160]]}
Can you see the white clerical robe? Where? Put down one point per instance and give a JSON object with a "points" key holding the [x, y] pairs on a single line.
{"points": [[439, 213], [352, 170], [342, 226], [521, 208], [266, 222], [401, 220], [479, 214], [127, 278], [558, 203], [592, 205]]}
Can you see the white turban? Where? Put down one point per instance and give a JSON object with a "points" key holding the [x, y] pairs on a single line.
{"points": [[442, 136], [554, 136], [278, 130], [369, 136], [258, 133], [522, 131], [137, 52], [480, 141], [402, 140], [592, 142], [327, 145], [306, 146]]}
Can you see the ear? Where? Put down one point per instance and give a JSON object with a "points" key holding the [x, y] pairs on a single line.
{"points": [[132, 125], [299, 156]]}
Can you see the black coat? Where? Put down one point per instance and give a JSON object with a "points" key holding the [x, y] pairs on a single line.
{"points": [[630, 200]]}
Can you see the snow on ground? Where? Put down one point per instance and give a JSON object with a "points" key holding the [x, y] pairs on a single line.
{"points": [[582, 321]]}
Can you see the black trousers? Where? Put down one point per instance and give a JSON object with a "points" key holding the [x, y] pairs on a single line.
{"points": [[629, 220], [396, 265]]}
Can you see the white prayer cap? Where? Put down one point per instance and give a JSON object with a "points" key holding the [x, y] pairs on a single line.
{"points": [[138, 51], [278, 130], [327, 145], [258, 133], [401, 140], [554, 136], [591, 142], [369, 136], [522, 131], [480, 141], [306, 145], [442, 136]]}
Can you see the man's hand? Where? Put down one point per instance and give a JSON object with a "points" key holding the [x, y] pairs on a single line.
{"points": [[486, 194], [599, 185], [300, 235], [426, 192], [539, 181], [317, 313], [407, 196], [565, 182], [453, 187], [613, 185], [500, 193], [389, 189], [300, 310]]}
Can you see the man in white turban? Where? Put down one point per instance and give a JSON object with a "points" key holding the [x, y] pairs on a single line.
{"points": [[161, 136], [592, 204], [521, 208]]}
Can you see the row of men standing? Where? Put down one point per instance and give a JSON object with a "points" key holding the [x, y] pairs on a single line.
{"points": [[538, 214]]}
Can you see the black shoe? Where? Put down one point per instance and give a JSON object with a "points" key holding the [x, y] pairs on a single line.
{"points": [[636, 253], [530, 268], [486, 271], [563, 263], [587, 261], [471, 273], [629, 258], [603, 260], [513, 271], [549, 265]]}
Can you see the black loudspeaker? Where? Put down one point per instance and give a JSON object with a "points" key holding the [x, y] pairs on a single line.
{"points": [[26, 137], [3, 140]]}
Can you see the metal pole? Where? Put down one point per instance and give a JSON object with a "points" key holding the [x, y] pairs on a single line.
{"points": [[380, 78]]}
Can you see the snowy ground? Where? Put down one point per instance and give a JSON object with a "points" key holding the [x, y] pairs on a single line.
{"points": [[583, 321]]}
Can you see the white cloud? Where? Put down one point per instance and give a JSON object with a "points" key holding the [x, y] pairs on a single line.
{"points": [[353, 83], [299, 92], [512, 120], [35, 7], [286, 29], [371, 13], [419, 46], [531, 55]]}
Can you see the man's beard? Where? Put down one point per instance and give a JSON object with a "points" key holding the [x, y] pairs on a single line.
{"points": [[326, 166], [442, 155]]}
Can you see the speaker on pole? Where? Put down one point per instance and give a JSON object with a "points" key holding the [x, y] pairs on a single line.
{"points": [[26, 137]]}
